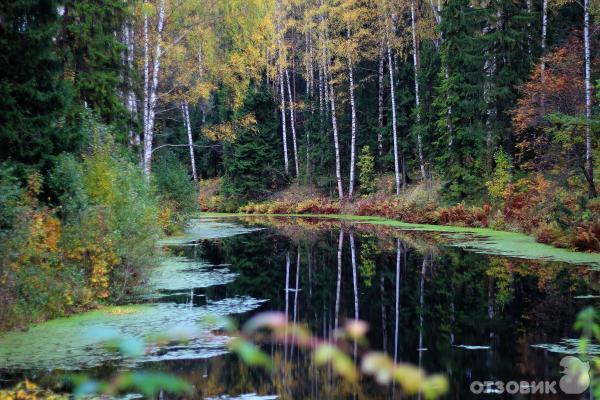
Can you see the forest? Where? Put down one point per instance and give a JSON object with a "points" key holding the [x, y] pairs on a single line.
{"points": [[122, 120]]}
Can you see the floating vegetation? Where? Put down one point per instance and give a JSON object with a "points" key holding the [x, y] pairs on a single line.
{"points": [[248, 396], [178, 273], [206, 228], [468, 347], [480, 240], [568, 346], [76, 342]]}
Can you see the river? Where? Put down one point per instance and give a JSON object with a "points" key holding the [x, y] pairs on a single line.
{"points": [[428, 301]]}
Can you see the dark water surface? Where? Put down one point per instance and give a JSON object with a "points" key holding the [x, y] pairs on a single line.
{"points": [[468, 316]]}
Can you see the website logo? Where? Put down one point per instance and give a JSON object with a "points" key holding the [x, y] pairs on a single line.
{"points": [[575, 380]]}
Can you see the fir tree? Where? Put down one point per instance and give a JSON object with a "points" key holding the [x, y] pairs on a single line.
{"points": [[33, 97], [93, 55], [462, 155], [252, 161]]}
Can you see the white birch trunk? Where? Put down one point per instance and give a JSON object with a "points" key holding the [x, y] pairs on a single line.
{"points": [[380, 74], [283, 124], [394, 127], [292, 124], [353, 127], [146, 84], [131, 101], [589, 166], [417, 97], [336, 144], [185, 109], [149, 133]]}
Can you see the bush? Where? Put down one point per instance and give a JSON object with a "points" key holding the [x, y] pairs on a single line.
{"points": [[93, 247], [366, 171]]}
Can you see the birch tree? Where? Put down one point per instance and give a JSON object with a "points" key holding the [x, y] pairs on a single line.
{"points": [[151, 85], [589, 166], [415, 45]]}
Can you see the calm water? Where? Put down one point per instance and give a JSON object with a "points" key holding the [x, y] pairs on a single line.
{"points": [[469, 316]]}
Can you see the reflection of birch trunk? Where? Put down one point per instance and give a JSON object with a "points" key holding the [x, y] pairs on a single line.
{"points": [[354, 282], [383, 313], [287, 304], [397, 308], [296, 301], [339, 278]]}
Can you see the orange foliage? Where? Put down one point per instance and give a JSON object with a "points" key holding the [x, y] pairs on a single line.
{"points": [[556, 85]]}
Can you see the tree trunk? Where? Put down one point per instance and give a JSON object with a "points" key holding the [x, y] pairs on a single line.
{"points": [[130, 98], [394, 127], [283, 124], [149, 131], [146, 85], [543, 60], [185, 109], [292, 124], [380, 73], [336, 144], [589, 166], [417, 97], [353, 127]]}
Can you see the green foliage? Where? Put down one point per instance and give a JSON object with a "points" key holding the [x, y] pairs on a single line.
{"points": [[253, 166], [100, 248], [11, 199], [366, 171], [174, 184], [93, 55], [33, 95], [501, 177]]}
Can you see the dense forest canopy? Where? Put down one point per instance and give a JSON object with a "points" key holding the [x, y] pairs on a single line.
{"points": [[435, 89]]}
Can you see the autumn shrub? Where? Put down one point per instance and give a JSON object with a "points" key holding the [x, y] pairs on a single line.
{"points": [[465, 216], [91, 244]]}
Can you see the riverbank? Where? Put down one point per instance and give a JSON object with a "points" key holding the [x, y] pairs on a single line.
{"points": [[483, 240]]}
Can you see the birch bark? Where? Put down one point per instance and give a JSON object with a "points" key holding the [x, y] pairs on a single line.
{"points": [[151, 112], [292, 124], [394, 126], [417, 96], [353, 127], [185, 109], [589, 166]]}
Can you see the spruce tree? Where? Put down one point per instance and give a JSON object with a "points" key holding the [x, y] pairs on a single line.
{"points": [[252, 161], [33, 96], [93, 55], [462, 154]]}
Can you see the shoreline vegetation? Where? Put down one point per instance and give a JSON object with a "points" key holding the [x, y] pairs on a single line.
{"points": [[484, 240]]}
